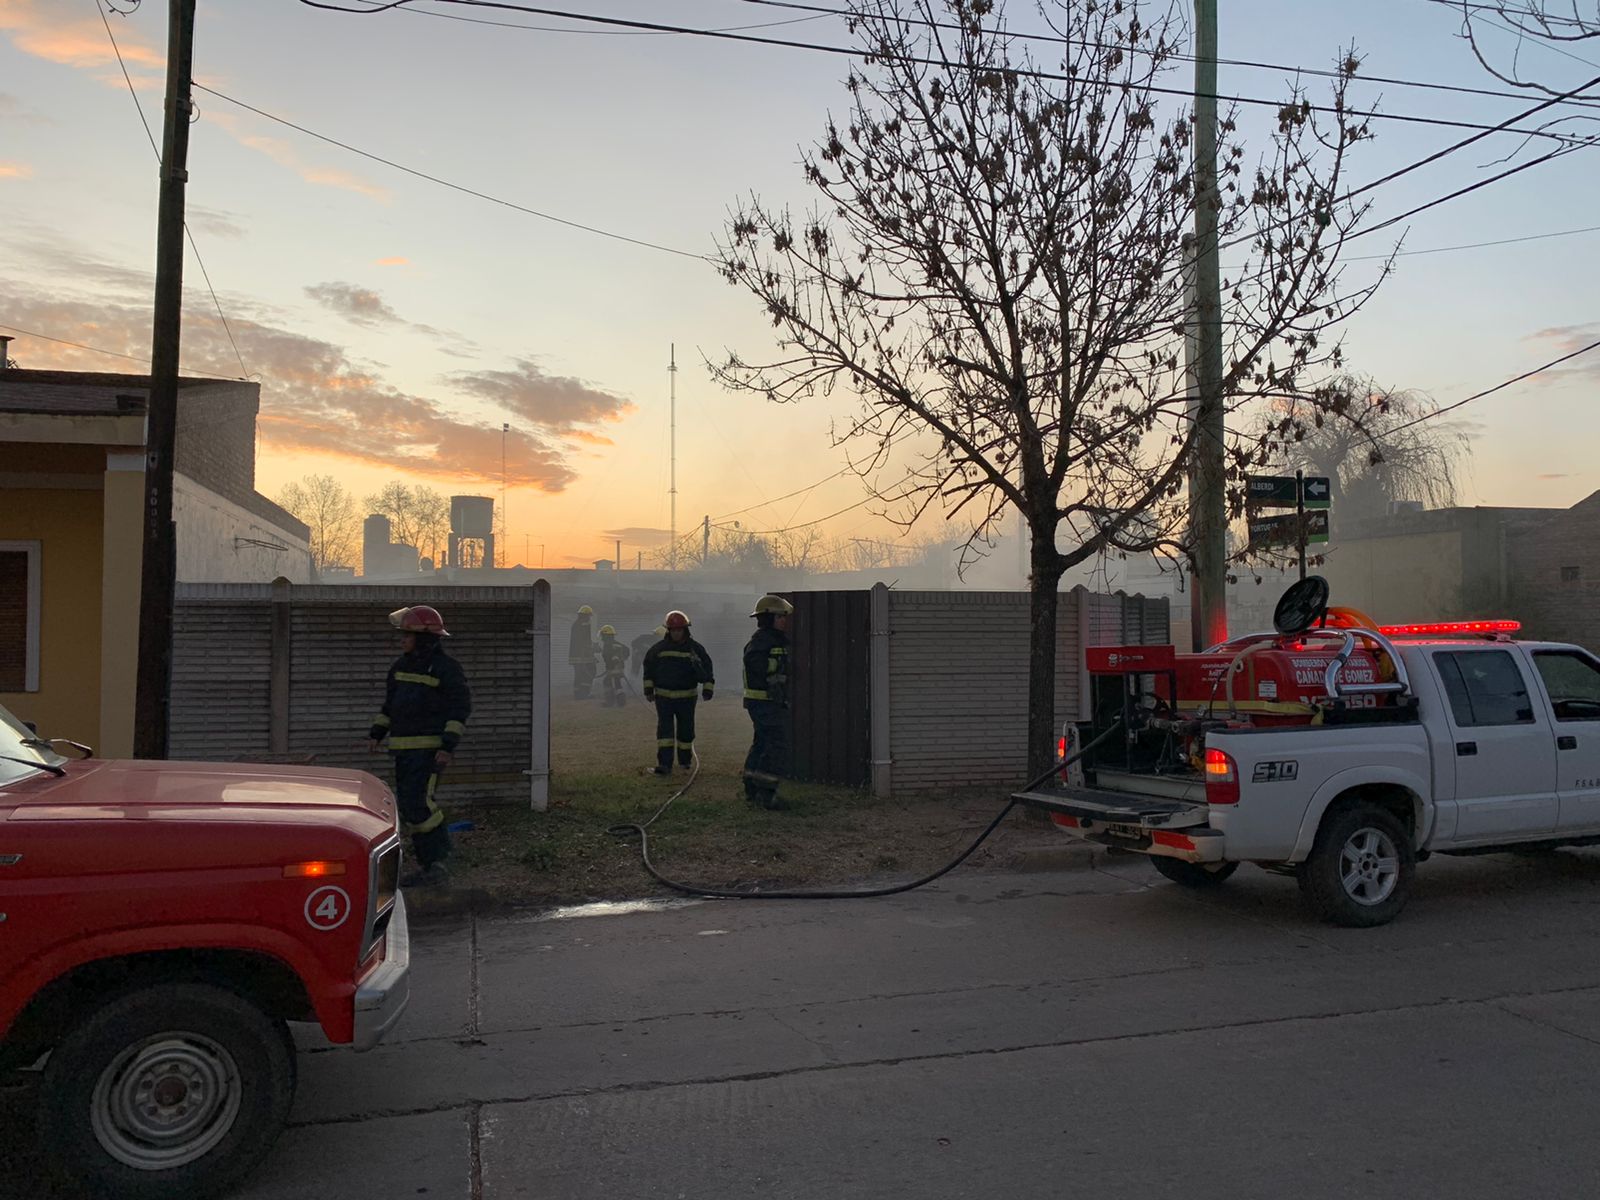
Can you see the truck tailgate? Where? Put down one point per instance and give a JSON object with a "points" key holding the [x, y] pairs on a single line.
{"points": [[1118, 808]]}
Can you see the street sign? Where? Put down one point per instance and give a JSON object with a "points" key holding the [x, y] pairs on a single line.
{"points": [[1284, 529], [1318, 491], [1271, 491]]}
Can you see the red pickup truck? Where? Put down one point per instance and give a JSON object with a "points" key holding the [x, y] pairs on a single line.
{"points": [[160, 923]]}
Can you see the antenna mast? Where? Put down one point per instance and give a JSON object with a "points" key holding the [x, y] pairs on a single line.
{"points": [[672, 384]]}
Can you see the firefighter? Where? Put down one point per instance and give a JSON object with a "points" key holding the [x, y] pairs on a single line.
{"points": [[675, 669], [614, 660], [641, 646], [766, 699], [425, 708], [580, 653]]}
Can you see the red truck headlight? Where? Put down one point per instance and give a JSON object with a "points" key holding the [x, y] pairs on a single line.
{"points": [[385, 885]]}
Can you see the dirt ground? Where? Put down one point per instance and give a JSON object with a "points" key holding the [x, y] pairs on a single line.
{"points": [[601, 776]]}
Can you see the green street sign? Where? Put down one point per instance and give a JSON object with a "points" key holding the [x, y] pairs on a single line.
{"points": [[1271, 491], [1284, 529]]}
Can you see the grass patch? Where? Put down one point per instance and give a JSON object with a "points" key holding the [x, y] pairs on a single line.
{"points": [[601, 777]]}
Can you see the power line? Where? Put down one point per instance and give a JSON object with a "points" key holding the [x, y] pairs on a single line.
{"points": [[1018, 72], [1499, 387], [425, 12], [456, 187], [45, 337], [1251, 64], [187, 232]]}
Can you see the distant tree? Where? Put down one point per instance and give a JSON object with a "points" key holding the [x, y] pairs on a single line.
{"points": [[322, 502], [1390, 451], [999, 257], [418, 515]]}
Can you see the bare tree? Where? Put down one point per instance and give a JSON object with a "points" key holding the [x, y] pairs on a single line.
{"points": [[419, 515], [1500, 30], [1394, 450], [322, 502], [998, 258]]}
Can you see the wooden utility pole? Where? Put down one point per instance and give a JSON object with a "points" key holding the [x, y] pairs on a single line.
{"points": [[705, 542], [1208, 486], [158, 573]]}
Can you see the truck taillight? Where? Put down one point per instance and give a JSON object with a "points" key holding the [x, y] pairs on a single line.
{"points": [[1222, 778], [1061, 747]]}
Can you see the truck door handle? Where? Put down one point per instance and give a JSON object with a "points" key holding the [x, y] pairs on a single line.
{"points": [[1466, 749], [1566, 742]]}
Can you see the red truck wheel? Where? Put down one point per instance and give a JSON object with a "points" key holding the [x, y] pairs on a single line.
{"points": [[174, 1090]]}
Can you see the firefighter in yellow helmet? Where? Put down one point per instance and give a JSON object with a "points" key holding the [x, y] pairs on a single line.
{"points": [[676, 670], [613, 662], [580, 653], [766, 699]]}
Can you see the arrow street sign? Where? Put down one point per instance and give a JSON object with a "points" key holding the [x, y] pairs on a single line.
{"points": [[1271, 491], [1284, 529], [1318, 491]]}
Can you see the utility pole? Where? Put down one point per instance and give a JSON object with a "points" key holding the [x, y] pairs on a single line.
{"points": [[672, 381], [1208, 488], [159, 569], [705, 542]]}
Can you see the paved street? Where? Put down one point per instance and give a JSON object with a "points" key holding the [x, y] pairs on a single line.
{"points": [[1084, 1032]]}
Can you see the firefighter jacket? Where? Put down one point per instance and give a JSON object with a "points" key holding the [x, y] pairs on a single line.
{"points": [[677, 670], [766, 668], [426, 704], [613, 654], [580, 649]]}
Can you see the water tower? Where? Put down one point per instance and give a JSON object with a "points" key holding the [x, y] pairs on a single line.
{"points": [[471, 531]]}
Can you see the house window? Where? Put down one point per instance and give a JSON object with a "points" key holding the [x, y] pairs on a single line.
{"points": [[1570, 574], [19, 616]]}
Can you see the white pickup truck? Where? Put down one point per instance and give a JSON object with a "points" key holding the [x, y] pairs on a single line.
{"points": [[1495, 746]]}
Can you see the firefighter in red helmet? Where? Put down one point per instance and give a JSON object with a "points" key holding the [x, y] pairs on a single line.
{"points": [[677, 671], [425, 709]]}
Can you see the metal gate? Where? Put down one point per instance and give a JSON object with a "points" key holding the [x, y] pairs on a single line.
{"points": [[830, 686]]}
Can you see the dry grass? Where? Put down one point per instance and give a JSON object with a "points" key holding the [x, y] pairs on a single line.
{"points": [[601, 777]]}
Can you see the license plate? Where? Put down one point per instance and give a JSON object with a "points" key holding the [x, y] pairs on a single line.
{"points": [[1131, 832]]}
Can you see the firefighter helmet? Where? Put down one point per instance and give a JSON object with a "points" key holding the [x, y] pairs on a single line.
{"points": [[608, 631], [776, 605], [419, 618], [676, 619], [586, 611]]}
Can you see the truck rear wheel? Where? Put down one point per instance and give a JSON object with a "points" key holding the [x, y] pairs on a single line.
{"points": [[1359, 872], [174, 1090], [1193, 875]]}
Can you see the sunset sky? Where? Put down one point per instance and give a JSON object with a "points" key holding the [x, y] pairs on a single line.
{"points": [[395, 324]]}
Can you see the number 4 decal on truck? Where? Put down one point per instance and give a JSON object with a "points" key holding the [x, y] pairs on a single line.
{"points": [[327, 908]]}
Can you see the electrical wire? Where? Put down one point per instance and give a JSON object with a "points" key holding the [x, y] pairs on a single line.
{"points": [[1323, 73], [628, 829], [1499, 387], [1017, 72], [425, 12], [455, 187], [187, 232], [45, 337]]}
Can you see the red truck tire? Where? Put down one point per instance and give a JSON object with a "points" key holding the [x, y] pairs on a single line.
{"points": [[170, 1090]]}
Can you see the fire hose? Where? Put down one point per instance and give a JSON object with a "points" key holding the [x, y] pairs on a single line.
{"points": [[628, 829]]}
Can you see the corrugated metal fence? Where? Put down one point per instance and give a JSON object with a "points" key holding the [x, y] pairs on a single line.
{"points": [[273, 672]]}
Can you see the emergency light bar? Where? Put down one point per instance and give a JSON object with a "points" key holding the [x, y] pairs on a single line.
{"points": [[1439, 628]]}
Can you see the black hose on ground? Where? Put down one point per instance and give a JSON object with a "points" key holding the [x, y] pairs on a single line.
{"points": [[690, 889]]}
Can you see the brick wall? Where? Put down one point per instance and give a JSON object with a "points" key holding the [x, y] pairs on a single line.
{"points": [[216, 446], [1553, 573]]}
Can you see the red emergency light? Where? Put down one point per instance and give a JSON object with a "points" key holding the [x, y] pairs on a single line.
{"points": [[1447, 628]]}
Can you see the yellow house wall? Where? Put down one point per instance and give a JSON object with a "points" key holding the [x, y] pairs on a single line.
{"points": [[67, 523]]}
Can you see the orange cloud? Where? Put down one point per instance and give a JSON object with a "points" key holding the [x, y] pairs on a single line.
{"points": [[75, 41], [398, 260], [15, 170], [315, 398], [280, 152]]}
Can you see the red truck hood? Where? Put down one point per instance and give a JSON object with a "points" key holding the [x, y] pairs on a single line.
{"points": [[138, 787]]}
